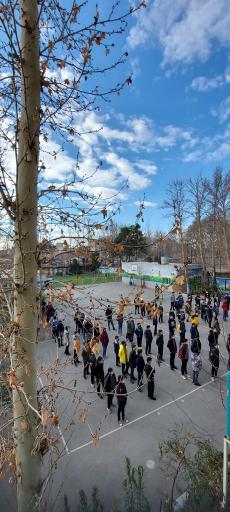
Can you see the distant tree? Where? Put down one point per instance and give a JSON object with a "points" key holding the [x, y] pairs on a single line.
{"points": [[132, 241], [197, 202], [75, 267]]}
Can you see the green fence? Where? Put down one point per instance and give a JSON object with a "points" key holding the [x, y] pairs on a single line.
{"points": [[154, 279], [84, 279]]}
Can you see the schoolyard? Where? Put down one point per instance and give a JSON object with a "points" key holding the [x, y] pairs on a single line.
{"points": [[180, 407]]}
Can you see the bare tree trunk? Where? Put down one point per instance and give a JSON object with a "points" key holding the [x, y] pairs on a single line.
{"points": [[226, 240], [201, 244], [25, 266]]}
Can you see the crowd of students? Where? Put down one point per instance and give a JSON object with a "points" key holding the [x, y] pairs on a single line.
{"points": [[91, 338]]}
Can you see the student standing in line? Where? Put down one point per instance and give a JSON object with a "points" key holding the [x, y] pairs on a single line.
{"points": [[132, 362], [116, 346], [109, 316], [76, 349], [183, 354], [121, 394], [99, 375], [172, 346], [66, 341], [104, 339], [149, 372], [124, 358], [148, 340], [214, 357], [109, 387], [160, 344], [140, 362]]}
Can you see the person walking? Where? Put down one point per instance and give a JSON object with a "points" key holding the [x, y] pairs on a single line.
{"points": [[139, 334], [120, 319], [99, 375], [214, 358], [66, 341], [149, 372], [132, 363], [196, 364], [160, 344], [109, 387], [109, 316], [116, 346], [148, 340], [130, 329], [140, 363], [104, 339], [124, 358], [121, 394], [172, 346], [183, 354]]}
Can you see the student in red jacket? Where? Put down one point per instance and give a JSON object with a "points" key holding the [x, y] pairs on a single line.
{"points": [[104, 339]]}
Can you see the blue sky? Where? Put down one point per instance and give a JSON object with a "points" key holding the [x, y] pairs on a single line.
{"points": [[173, 121]]}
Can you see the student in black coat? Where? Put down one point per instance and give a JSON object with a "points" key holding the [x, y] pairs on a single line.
{"points": [[148, 340], [149, 372], [109, 387], [132, 362], [99, 375], [172, 346], [140, 363], [160, 344]]}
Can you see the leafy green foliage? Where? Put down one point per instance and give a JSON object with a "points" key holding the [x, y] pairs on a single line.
{"points": [[132, 241]]}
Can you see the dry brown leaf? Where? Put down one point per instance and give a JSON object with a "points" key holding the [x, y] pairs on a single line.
{"points": [[24, 425], [82, 416], [44, 418], [12, 378], [54, 421], [72, 423], [96, 440]]}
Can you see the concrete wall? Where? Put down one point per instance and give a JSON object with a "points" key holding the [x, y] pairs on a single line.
{"points": [[149, 269]]}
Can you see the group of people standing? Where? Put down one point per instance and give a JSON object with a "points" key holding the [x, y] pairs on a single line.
{"points": [[91, 338]]}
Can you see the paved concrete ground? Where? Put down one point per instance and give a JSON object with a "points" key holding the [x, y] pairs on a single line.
{"points": [[179, 406]]}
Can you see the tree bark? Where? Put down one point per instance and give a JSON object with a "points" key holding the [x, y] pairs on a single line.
{"points": [[25, 266]]}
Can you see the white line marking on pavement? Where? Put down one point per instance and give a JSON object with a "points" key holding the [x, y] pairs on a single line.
{"points": [[59, 428], [144, 416]]}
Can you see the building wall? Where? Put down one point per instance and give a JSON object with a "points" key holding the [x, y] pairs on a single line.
{"points": [[152, 269]]}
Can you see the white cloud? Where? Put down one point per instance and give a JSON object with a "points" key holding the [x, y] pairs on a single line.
{"points": [[210, 149], [223, 111], [185, 29], [204, 84], [147, 204]]}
